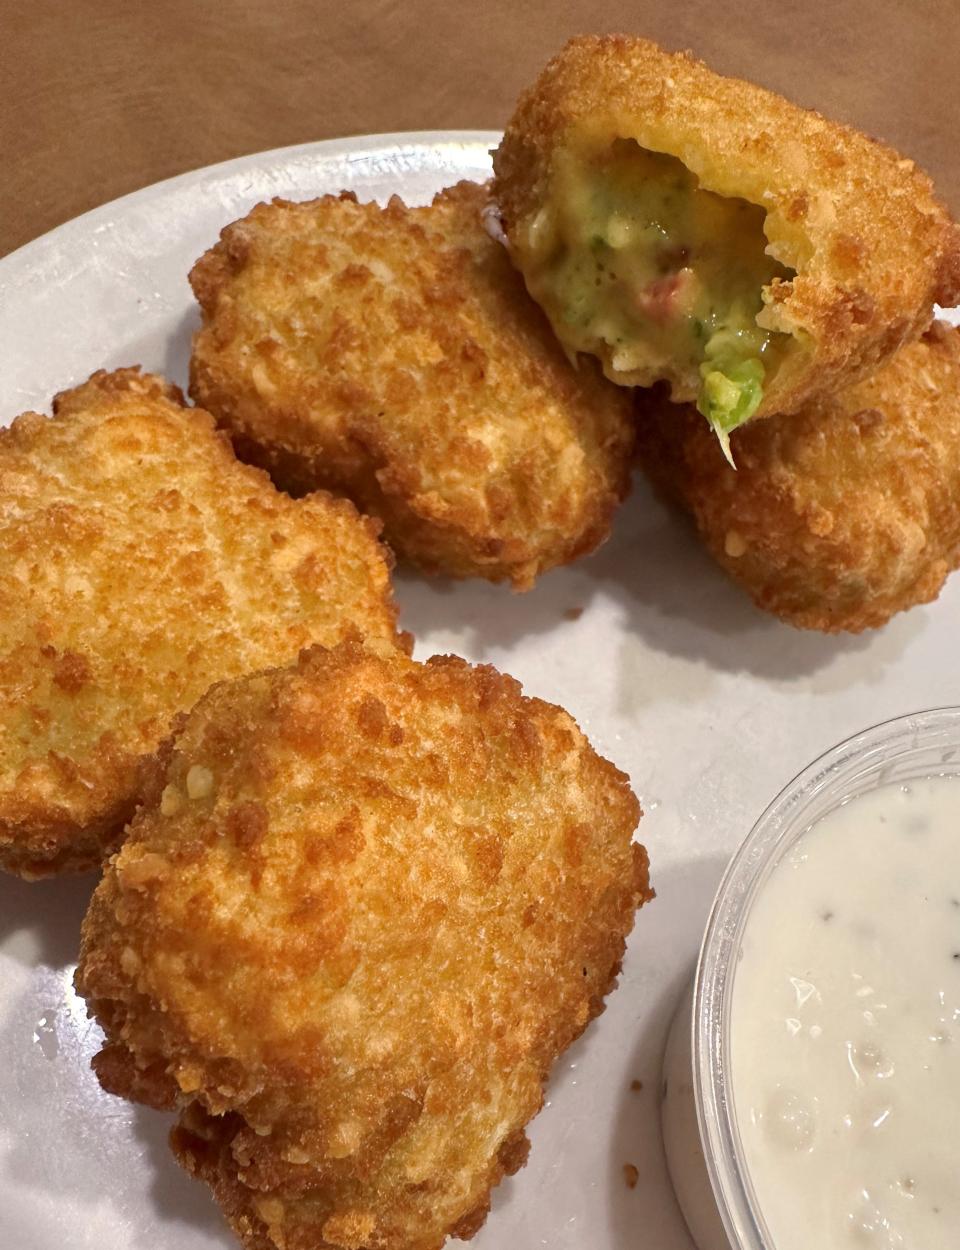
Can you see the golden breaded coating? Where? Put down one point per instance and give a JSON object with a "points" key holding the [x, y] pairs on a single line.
{"points": [[839, 515], [370, 904], [679, 224], [393, 355], [142, 562]]}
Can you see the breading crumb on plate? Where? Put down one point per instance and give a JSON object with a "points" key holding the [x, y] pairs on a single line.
{"points": [[351, 959]]}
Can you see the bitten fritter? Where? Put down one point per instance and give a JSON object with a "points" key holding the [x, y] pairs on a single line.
{"points": [[839, 515], [393, 355], [699, 230], [141, 562], [371, 902]]}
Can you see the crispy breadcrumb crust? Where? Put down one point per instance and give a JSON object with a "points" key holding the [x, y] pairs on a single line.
{"points": [[872, 247], [141, 563], [837, 516], [392, 354], [369, 904]]}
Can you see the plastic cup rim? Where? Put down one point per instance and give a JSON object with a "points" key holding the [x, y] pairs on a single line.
{"points": [[780, 823]]}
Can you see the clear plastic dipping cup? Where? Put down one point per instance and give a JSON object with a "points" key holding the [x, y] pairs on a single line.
{"points": [[701, 1138]]}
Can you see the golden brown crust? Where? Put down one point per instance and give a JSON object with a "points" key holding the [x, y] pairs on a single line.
{"points": [[394, 355], [872, 246], [398, 892], [141, 562], [839, 515]]}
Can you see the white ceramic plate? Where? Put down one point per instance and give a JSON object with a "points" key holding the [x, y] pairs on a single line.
{"points": [[708, 704]]}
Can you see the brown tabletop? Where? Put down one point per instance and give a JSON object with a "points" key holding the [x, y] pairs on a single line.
{"points": [[99, 97]]}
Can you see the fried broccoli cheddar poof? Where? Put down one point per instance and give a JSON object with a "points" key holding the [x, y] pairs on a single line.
{"points": [[367, 906], [141, 563], [393, 355], [699, 230], [839, 515]]}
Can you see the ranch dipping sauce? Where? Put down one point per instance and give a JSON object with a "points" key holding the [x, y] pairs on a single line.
{"points": [[844, 1060]]}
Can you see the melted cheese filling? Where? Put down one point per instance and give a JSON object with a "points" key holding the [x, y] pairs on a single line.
{"points": [[634, 261]]}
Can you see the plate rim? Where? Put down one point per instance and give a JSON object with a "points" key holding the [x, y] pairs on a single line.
{"points": [[341, 145]]}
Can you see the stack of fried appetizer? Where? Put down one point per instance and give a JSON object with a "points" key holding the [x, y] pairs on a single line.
{"points": [[711, 247], [354, 906], [757, 261]]}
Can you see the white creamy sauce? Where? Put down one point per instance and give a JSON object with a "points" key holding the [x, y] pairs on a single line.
{"points": [[845, 1045]]}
